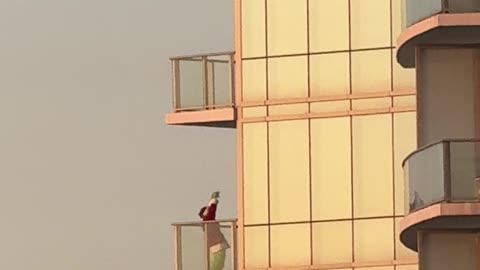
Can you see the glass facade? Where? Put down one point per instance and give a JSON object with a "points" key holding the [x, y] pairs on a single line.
{"points": [[326, 118]]}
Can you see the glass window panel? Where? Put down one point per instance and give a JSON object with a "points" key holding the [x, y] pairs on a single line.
{"points": [[404, 79], [287, 77], [290, 245], [254, 77], [288, 109], [254, 112], [255, 173], [289, 171], [406, 267], [331, 173], [191, 84], [253, 28], [371, 71], [402, 252], [330, 74], [330, 106], [373, 240], [256, 247], [372, 103], [332, 242], [405, 101], [372, 165], [396, 20], [405, 142], [323, 15], [287, 27], [370, 23]]}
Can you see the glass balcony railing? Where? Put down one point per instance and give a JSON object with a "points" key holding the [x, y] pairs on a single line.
{"points": [[203, 82], [446, 171], [418, 10], [200, 245]]}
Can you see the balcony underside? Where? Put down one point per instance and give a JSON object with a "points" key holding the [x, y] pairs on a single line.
{"points": [[444, 216], [223, 118], [440, 30]]}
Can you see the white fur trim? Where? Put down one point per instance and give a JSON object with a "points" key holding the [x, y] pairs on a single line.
{"points": [[219, 247]]}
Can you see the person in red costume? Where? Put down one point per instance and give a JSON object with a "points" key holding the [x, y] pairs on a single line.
{"points": [[216, 242]]}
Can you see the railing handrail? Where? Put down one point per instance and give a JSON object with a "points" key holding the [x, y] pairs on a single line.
{"points": [[184, 57], [421, 149], [189, 223]]}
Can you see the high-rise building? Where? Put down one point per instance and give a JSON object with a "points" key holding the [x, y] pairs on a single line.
{"points": [[325, 112], [441, 41]]}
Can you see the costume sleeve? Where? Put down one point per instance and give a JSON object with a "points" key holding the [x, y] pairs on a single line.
{"points": [[211, 212], [202, 211]]}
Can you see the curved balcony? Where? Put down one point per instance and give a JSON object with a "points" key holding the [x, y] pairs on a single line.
{"points": [[443, 180], [196, 241], [437, 22], [203, 90]]}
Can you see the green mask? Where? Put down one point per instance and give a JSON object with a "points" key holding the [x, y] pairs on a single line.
{"points": [[215, 195]]}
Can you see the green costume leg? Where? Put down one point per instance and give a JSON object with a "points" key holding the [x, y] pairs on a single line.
{"points": [[217, 260]]}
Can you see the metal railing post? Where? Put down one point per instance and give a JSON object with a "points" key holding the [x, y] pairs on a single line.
{"points": [[231, 78], [176, 85], [207, 251], [234, 245], [205, 81], [178, 247]]}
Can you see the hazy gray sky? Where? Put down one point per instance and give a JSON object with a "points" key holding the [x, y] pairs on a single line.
{"points": [[90, 177]]}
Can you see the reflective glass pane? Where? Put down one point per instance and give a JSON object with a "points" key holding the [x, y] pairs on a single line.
{"points": [[406, 267], [329, 74], [287, 77], [255, 173], [253, 28], [332, 242], [371, 71], [256, 247], [323, 15], [289, 171], [372, 165], [405, 101], [254, 78], [331, 177], [367, 15], [287, 27], [373, 240], [290, 245]]}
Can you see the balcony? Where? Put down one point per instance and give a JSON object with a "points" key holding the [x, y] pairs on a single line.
{"points": [[203, 90], [195, 242], [418, 10], [429, 23], [443, 180]]}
